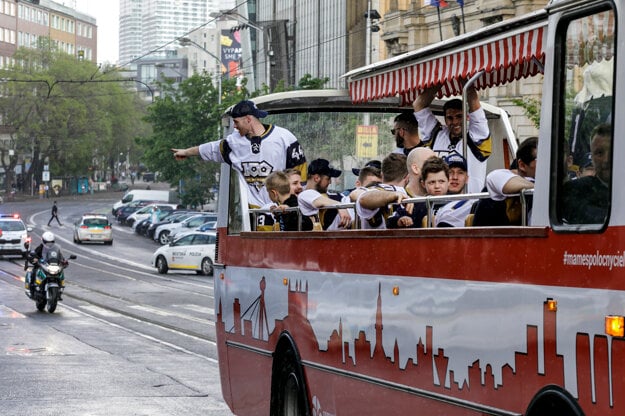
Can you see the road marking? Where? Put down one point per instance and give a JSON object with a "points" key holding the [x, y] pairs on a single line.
{"points": [[6, 312]]}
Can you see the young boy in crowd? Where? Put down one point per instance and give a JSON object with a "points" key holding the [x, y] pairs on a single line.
{"points": [[435, 181], [280, 192]]}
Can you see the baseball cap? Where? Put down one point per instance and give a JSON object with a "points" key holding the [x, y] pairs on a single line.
{"points": [[246, 108], [322, 167], [456, 160], [586, 161], [370, 164]]}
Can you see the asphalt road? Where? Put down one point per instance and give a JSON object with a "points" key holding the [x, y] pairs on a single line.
{"points": [[125, 340]]}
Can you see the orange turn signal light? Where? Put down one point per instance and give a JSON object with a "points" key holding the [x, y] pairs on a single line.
{"points": [[615, 325], [552, 305], [395, 290]]}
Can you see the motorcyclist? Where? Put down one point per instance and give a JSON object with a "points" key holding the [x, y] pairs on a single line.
{"points": [[41, 252]]}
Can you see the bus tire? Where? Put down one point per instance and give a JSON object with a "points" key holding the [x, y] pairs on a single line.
{"points": [[554, 401], [289, 396]]}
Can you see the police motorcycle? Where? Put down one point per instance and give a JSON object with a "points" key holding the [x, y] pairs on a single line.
{"points": [[45, 281]]}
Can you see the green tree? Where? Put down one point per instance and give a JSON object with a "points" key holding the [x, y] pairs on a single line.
{"points": [[64, 112], [187, 115], [531, 106]]}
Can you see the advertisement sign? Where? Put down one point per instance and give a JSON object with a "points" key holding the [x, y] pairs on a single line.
{"points": [[367, 141], [231, 54]]}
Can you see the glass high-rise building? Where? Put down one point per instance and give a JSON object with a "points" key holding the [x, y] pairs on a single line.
{"points": [[149, 28]]}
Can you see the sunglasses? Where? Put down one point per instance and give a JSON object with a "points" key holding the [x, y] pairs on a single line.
{"points": [[393, 131]]}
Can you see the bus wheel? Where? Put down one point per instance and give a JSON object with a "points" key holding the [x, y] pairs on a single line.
{"points": [[288, 389], [555, 401]]}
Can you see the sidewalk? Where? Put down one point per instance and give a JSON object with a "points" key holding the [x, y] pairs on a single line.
{"points": [[104, 195]]}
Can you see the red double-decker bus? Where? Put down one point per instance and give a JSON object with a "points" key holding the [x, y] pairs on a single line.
{"points": [[513, 320]]}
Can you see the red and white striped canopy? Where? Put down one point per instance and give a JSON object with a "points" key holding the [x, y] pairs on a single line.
{"points": [[504, 59]]}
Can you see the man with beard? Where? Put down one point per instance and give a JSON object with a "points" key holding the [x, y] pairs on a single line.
{"points": [[587, 199], [444, 139]]}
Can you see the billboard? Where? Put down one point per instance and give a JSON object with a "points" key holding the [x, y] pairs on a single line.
{"points": [[231, 54]]}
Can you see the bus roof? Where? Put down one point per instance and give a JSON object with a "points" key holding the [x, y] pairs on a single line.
{"points": [[305, 101], [506, 51]]}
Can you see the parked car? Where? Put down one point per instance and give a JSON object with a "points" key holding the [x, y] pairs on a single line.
{"points": [[146, 211], [123, 212], [173, 217], [93, 228], [168, 232], [195, 251], [207, 226], [148, 177], [146, 195], [142, 226]]}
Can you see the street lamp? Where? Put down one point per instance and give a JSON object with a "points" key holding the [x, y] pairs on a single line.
{"points": [[184, 41]]}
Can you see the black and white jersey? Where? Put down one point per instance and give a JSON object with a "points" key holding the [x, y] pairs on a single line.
{"points": [[277, 149]]}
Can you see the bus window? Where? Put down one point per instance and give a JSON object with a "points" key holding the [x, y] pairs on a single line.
{"points": [[585, 123], [235, 209]]}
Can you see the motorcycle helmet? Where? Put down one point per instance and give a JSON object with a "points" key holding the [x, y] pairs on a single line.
{"points": [[47, 238]]}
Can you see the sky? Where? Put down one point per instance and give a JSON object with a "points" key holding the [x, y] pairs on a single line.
{"points": [[106, 13]]}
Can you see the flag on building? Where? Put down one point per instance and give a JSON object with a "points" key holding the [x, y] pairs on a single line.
{"points": [[435, 3]]}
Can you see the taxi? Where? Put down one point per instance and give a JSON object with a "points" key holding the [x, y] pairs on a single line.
{"points": [[193, 251], [93, 228]]}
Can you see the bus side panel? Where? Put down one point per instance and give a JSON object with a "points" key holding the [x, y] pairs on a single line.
{"points": [[340, 395], [247, 364], [222, 352], [377, 317]]}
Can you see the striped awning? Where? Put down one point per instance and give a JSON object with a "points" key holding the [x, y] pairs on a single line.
{"points": [[503, 58]]}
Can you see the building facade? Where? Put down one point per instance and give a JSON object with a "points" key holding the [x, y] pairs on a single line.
{"points": [[320, 38], [150, 28], [327, 38], [25, 22]]}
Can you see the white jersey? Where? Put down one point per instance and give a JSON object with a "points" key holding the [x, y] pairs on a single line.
{"points": [[496, 180], [256, 158], [479, 145], [375, 218], [454, 213], [306, 200]]}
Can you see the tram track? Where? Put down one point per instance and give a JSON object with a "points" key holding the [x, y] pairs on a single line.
{"points": [[118, 311]]}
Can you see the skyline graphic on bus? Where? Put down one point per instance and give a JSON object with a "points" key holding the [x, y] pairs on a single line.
{"points": [[429, 372]]}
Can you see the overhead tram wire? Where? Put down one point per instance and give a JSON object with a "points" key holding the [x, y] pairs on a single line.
{"points": [[250, 60], [120, 66]]}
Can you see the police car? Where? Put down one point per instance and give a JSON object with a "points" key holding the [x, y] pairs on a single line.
{"points": [[93, 228], [13, 235], [193, 251]]}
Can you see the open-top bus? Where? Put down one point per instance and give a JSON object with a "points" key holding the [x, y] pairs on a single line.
{"points": [[518, 320]]}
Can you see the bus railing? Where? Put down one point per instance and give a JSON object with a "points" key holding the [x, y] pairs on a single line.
{"points": [[430, 201]]}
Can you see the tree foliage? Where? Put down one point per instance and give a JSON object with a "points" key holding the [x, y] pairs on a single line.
{"points": [[189, 114], [186, 115], [64, 112], [531, 106]]}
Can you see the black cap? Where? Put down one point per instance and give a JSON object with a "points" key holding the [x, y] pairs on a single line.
{"points": [[370, 164], [456, 160], [247, 108], [322, 167], [587, 161]]}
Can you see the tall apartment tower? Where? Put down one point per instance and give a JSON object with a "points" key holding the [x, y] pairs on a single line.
{"points": [[149, 28]]}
